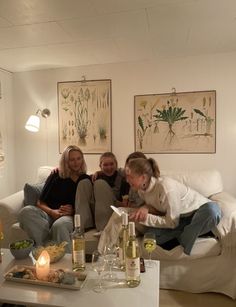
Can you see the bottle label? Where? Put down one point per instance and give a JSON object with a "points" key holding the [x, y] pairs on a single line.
{"points": [[78, 257], [78, 251], [133, 267]]}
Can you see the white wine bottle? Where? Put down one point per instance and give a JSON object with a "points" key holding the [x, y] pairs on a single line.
{"points": [[78, 246], [123, 238], [132, 258]]}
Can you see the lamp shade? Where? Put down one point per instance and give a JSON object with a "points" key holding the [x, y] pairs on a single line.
{"points": [[33, 123]]}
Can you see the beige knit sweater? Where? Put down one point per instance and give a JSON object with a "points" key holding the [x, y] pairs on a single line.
{"points": [[172, 198]]}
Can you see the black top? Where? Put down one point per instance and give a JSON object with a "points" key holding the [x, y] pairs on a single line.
{"points": [[58, 191], [109, 179]]}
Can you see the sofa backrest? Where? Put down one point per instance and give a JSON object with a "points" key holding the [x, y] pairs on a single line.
{"points": [[206, 182], [43, 173]]}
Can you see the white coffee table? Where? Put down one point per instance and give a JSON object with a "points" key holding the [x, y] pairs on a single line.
{"points": [[146, 294]]}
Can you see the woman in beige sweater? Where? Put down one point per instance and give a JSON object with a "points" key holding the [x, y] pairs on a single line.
{"points": [[181, 213]]}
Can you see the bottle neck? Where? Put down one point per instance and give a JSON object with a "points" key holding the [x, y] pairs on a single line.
{"points": [[131, 230], [77, 221], [125, 221]]}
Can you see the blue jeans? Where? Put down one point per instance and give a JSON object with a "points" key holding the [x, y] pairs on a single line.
{"points": [[190, 227]]}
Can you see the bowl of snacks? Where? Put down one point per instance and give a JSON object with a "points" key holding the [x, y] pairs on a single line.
{"points": [[55, 251], [22, 248]]}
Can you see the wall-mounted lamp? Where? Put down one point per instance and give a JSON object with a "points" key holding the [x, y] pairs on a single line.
{"points": [[33, 122]]}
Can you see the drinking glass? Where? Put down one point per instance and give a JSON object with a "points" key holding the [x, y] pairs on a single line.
{"points": [[98, 265], [149, 243], [110, 254]]}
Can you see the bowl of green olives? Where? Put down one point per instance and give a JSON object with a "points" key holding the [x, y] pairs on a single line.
{"points": [[21, 249]]}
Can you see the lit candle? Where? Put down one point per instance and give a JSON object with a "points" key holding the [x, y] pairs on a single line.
{"points": [[43, 265]]}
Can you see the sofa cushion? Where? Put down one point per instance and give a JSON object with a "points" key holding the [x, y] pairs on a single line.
{"points": [[206, 182], [202, 248], [32, 193]]}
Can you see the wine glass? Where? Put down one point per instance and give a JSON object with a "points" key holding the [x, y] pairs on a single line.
{"points": [[110, 255], [149, 243], [98, 265]]}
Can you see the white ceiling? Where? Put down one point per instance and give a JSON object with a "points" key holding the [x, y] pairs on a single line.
{"points": [[40, 34]]}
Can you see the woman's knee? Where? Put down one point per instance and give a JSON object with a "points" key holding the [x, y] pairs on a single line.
{"points": [[212, 210], [26, 213], [103, 192], [101, 185], [84, 184], [62, 224]]}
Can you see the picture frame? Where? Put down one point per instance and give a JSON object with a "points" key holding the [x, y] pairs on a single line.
{"points": [[84, 115], [183, 122]]}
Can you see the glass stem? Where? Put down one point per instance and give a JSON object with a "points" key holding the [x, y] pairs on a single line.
{"points": [[150, 257], [100, 280]]}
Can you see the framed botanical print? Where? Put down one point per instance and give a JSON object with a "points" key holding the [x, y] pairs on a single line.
{"points": [[85, 115], [176, 122]]}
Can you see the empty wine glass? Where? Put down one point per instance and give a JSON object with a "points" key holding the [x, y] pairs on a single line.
{"points": [[149, 243], [110, 254], [98, 265]]}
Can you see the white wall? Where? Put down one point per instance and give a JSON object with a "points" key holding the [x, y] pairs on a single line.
{"points": [[7, 171], [38, 89]]}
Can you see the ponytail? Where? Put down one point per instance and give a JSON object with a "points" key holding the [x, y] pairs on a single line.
{"points": [[155, 167]]}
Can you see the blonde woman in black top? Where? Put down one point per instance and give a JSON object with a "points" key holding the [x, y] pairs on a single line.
{"points": [[65, 192]]}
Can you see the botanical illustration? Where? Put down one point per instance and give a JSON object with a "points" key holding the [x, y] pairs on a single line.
{"points": [[85, 115], [175, 122]]}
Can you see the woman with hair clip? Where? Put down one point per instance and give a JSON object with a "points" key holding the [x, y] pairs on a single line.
{"points": [[66, 192], [182, 214]]}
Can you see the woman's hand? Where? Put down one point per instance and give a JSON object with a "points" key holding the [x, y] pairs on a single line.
{"points": [[66, 210], [55, 170], [95, 175], [55, 213], [139, 215]]}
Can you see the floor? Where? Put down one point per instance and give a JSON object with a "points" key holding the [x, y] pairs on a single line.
{"points": [[171, 298]]}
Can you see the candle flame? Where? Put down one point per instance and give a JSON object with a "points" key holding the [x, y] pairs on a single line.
{"points": [[44, 258]]}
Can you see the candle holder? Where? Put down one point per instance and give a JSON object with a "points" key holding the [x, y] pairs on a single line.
{"points": [[43, 265]]}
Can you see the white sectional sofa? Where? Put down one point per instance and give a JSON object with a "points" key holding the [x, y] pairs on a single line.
{"points": [[211, 267]]}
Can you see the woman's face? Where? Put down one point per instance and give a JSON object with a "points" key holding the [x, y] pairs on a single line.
{"points": [[108, 166], [136, 181], [75, 161]]}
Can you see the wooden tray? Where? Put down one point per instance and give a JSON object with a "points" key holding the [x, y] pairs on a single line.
{"points": [[78, 284]]}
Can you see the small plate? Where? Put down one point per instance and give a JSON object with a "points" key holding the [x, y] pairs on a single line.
{"points": [[78, 277]]}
